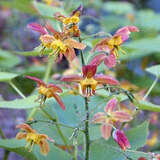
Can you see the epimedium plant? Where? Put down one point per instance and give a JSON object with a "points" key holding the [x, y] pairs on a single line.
{"points": [[90, 122]]}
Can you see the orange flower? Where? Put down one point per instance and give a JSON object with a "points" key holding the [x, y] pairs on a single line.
{"points": [[32, 137], [72, 19], [90, 80], [48, 91], [70, 23], [109, 117], [59, 43]]}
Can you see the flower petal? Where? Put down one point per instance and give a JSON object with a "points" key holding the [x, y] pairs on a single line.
{"points": [[55, 88], [74, 44], [101, 46], [72, 78], [97, 60], [70, 54], [51, 29], [99, 117], [89, 70], [121, 116], [125, 31], [58, 99], [106, 131], [121, 139], [77, 11], [110, 61], [44, 147], [40, 82], [104, 79], [26, 127], [37, 27], [111, 105], [21, 135]]}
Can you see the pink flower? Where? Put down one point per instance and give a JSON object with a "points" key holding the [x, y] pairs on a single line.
{"points": [[109, 60], [90, 80], [121, 139], [112, 45], [109, 117]]}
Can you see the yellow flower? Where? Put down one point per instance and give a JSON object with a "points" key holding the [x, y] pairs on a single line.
{"points": [[47, 40], [48, 2], [58, 44], [114, 43], [32, 137], [153, 140], [73, 19]]}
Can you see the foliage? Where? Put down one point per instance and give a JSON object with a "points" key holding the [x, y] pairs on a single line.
{"points": [[64, 113]]}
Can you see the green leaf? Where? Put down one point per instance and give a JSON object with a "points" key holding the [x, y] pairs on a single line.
{"points": [[100, 149], [7, 59], [144, 105], [6, 76], [26, 103], [137, 136], [17, 146], [151, 22], [24, 6], [54, 154], [155, 70], [47, 11], [147, 44], [119, 7], [35, 52]]}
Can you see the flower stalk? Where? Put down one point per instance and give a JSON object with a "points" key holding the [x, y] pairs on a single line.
{"points": [[6, 153], [16, 89], [87, 141], [150, 89], [57, 126], [49, 69]]}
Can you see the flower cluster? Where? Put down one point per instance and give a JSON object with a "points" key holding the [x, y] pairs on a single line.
{"points": [[109, 118], [59, 44]]}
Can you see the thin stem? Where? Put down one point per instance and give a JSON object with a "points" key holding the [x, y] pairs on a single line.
{"points": [[32, 113], [57, 126], [151, 87], [51, 122], [46, 114], [6, 153], [97, 34], [49, 69], [75, 149], [81, 53], [16, 89], [87, 141], [2, 134]]}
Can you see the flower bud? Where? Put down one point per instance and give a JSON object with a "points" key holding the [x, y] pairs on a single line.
{"points": [[121, 139]]}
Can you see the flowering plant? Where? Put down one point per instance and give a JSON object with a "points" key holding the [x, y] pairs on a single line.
{"points": [[86, 112]]}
